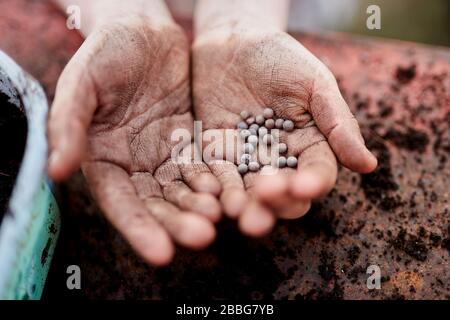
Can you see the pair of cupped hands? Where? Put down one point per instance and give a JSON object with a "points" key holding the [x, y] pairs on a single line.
{"points": [[132, 83]]}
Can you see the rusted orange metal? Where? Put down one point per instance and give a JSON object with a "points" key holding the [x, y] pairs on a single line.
{"points": [[397, 218]]}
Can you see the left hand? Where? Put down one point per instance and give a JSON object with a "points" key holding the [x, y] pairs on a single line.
{"points": [[250, 69], [117, 104]]}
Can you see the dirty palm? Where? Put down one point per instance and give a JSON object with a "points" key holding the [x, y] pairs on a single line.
{"points": [[132, 84], [249, 71], [127, 89]]}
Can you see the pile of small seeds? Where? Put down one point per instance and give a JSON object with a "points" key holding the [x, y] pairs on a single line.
{"points": [[255, 130]]}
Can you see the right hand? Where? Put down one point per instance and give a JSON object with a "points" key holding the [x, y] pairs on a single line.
{"points": [[251, 68]]}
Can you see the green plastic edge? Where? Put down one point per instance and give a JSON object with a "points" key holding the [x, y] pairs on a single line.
{"points": [[36, 250]]}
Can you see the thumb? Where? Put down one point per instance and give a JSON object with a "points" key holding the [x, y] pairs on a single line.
{"points": [[71, 113], [334, 119]]}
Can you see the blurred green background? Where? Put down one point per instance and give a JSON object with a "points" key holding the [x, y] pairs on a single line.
{"points": [[413, 20], [426, 21]]}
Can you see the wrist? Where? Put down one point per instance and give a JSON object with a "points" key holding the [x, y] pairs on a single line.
{"points": [[132, 19], [235, 16], [237, 25], [100, 13], [226, 32]]}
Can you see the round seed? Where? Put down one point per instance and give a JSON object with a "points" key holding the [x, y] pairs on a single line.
{"points": [[245, 114], [267, 139], [270, 124], [288, 125], [262, 131], [242, 125], [245, 134], [246, 158], [253, 139], [249, 148], [291, 162], [282, 148], [260, 119], [281, 162], [268, 113], [243, 168], [250, 120], [253, 166], [254, 129], [279, 123]]}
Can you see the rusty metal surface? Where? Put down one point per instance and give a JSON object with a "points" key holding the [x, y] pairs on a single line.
{"points": [[397, 218]]}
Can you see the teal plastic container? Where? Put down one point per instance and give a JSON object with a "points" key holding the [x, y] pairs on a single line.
{"points": [[30, 227]]}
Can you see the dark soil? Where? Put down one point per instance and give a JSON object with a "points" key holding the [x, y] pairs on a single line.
{"points": [[412, 245], [239, 263], [405, 74], [353, 254], [13, 133], [379, 185], [409, 139]]}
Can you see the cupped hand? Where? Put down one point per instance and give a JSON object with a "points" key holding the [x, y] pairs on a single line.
{"points": [[251, 70], [117, 103]]}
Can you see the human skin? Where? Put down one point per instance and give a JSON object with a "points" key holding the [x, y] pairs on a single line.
{"points": [[117, 103], [244, 60]]}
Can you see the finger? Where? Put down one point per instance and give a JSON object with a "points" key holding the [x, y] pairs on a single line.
{"points": [[334, 119], [250, 182], [298, 141], [176, 191], [197, 174], [188, 229], [200, 179], [316, 172], [183, 197], [116, 196], [293, 209], [233, 197], [273, 191], [256, 219], [71, 113]]}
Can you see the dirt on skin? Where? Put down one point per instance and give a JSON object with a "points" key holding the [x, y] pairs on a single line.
{"points": [[13, 133], [326, 253]]}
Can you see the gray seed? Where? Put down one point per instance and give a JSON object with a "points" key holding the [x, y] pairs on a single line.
{"points": [[260, 119], [262, 131], [268, 113], [253, 139], [288, 125], [250, 120], [246, 158], [279, 123], [254, 126], [291, 162], [243, 168], [245, 114], [253, 166], [282, 148], [253, 131], [267, 139], [242, 125], [281, 162], [270, 124], [249, 148], [245, 134]]}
